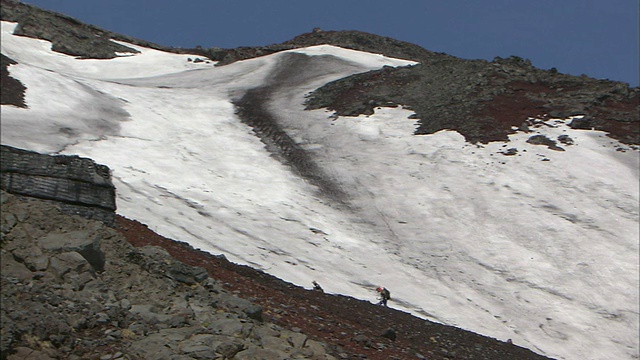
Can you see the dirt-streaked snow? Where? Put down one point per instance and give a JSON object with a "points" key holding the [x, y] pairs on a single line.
{"points": [[540, 247]]}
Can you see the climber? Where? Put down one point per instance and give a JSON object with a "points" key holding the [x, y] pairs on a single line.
{"points": [[317, 286], [385, 295]]}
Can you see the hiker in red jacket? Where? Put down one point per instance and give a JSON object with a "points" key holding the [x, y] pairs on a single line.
{"points": [[385, 295]]}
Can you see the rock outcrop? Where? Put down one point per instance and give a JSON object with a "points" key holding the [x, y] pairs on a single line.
{"points": [[73, 288], [70, 36], [12, 89], [66, 34], [484, 101], [78, 185]]}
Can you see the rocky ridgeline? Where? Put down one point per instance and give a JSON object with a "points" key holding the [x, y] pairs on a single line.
{"points": [[485, 101], [482, 100], [73, 288], [77, 185], [67, 35]]}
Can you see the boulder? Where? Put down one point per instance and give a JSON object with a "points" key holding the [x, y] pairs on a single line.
{"points": [[84, 242]]}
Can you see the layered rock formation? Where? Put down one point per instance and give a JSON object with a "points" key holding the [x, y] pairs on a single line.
{"points": [[78, 185]]}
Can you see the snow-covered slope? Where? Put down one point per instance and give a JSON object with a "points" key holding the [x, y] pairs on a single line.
{"points": [[540, 247]]}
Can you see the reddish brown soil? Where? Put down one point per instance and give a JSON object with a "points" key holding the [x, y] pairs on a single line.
{"points": [[352, 328], [522, 100]]}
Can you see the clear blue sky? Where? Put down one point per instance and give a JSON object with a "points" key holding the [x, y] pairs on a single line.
{"points": [[593, 37]]}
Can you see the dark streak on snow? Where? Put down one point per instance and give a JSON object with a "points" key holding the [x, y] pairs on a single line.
{"points": [[253, 110]]}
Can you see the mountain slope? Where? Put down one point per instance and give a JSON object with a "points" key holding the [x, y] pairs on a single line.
{"points": [[356, 328], [505, 239], [486, 101]]}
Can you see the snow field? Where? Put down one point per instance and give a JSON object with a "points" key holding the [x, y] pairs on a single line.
{"points": [[542, 252]]}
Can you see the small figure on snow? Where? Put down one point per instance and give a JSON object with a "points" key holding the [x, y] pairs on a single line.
{"points": [[317, 287], [385, 295]]}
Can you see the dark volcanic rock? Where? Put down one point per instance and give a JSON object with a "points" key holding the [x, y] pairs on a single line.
{"points": [[70, 36], [543, 140], [55, 305], [78, 185], [352, 39], [483, 100], [83, 242], [66, 34], [12, 90]]}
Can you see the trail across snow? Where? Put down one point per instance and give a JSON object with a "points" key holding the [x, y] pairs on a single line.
{"points": [[540, 247]]}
